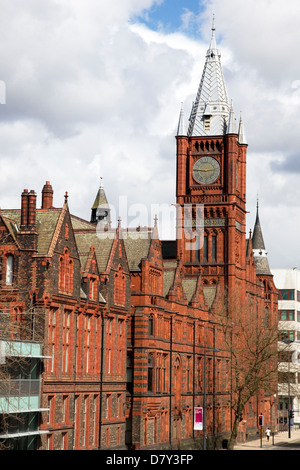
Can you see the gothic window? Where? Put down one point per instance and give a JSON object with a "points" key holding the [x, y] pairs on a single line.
{"points": [[66, 273], [267, 318], [189, 374], [150, 325], [120, 287], [9, 270], [177, 382], [66, 337], [214, 248], [93, 289], [52, 333], [150, 373], [205, 248], [129, 372]]}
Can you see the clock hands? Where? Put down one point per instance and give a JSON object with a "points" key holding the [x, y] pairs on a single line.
{"points": [[203, 169]]}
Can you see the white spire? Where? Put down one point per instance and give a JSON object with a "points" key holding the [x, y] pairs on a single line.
{"points": [[211, 97], [231, 128], [242, 136], [181, 130]]}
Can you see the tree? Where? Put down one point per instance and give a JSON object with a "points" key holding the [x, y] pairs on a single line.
{"points": [[250, 334]]}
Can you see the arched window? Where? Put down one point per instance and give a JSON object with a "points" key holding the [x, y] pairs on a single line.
{"points": [[66, 273], [150, 325], [150, 373], [9, 270], [93, 288], [120, 287]]}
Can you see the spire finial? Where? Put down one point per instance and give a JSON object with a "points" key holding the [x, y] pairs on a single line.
{"points": [[213, 23], [101, 182]]}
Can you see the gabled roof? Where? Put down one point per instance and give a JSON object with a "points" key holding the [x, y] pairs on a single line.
{"points": [[46, 224], [103, 246], [137, 247]]}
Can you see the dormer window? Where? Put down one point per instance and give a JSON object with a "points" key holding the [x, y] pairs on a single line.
{"points": [[207, 123]]}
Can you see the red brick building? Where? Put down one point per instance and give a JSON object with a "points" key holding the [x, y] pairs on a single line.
{"points": [[132, 324]]}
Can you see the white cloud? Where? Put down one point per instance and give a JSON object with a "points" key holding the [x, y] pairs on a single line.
{"points": [[90, 94]]}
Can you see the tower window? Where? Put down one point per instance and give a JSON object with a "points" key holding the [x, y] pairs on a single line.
{"points": [[150, 373], [214, 248], [205, 248], [206, 123], [150, 325]]}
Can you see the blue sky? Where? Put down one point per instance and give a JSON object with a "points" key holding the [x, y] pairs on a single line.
{"points": [[167, 16]]}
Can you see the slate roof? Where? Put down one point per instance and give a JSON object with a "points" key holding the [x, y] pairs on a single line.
{"points": [[46, 222], [137, 247]]}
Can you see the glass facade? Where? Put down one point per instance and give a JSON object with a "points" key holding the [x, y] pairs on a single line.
{"points": [[20, 395]]}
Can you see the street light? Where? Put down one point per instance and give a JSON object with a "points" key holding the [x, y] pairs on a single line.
{"points": [[204, 397]]}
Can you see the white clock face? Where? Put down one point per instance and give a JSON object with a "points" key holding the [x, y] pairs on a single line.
{"points": [[206, 170]]}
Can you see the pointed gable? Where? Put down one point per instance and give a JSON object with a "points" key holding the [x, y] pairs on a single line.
{"points": [[176, 291], [198, 299]]}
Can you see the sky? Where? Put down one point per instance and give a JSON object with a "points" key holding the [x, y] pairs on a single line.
{"points": [[93, 89]]}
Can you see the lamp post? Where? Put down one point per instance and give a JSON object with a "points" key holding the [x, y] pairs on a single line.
{"points": [[204, 396]]}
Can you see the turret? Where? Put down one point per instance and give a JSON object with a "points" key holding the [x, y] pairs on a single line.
{"points": [[259, 250], [101, 210]]}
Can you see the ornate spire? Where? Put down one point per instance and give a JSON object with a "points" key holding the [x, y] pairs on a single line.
{"points": [[210, 111], [259, 250], [231, 127], [181, 129], [242, 136]]}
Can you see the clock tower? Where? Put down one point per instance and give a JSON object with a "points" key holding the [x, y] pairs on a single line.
{"points": [[211, 181]]}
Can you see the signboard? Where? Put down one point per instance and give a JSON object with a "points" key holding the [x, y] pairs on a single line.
{"points": [[198, 419]]}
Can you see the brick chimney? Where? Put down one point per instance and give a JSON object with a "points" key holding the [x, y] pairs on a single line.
{"points": [[28, 209], [31, 208], [47, 196], [24, 208], [28, 234]]}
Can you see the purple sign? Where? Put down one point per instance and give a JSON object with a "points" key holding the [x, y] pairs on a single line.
{"points": [[198, 419]]}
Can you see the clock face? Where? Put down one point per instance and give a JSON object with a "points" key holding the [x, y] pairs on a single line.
{"points": [[206, 170]]}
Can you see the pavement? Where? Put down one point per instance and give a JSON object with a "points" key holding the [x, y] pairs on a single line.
{"points": [[280, 441]]}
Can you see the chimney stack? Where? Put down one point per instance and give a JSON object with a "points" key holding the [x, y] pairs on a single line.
{"points": [[28, 209], [47, 196], [24, 208], [31, 208]]}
